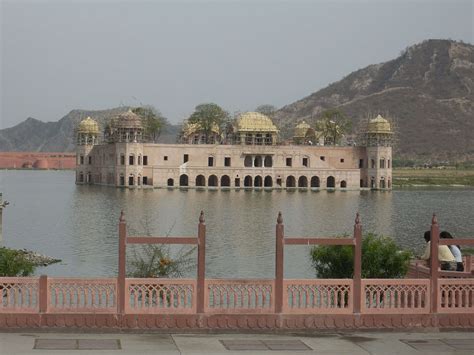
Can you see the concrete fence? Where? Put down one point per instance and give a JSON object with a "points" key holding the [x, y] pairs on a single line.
{"points": [[265, 304]]}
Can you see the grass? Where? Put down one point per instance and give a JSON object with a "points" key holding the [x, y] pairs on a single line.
{"points": [[412, 177]]}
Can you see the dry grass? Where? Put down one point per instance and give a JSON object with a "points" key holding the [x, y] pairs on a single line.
{"points": [[410, 177]]}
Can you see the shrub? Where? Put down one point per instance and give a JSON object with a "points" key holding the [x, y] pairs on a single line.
{"points": [[381, 258], [14, 263]]}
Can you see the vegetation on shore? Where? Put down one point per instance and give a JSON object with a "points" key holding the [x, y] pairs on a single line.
{"points": [[403, 177]]}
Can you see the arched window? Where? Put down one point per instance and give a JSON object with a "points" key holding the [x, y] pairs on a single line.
{"points": [[290, 181], [268, 182], [81, 177], [389, 184], [372, 183], [382, 163], [183, 180], [382, 182], [268, 161], [331, 182], [372, 163], [131, 180], [343, 184], [257, 181], [257, 161], [200, 180], [122, 180], [303, 181], [170, 182], [225, 181], [248, 161], [389, 166], [139, 160], [315, 181], [212, 181], [248, 181]]}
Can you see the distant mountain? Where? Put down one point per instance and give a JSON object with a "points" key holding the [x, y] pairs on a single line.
{"points": [[37, 136], [428, 90]]}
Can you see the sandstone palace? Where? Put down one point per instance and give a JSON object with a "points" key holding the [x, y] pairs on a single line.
{"points": [[122, 157]]}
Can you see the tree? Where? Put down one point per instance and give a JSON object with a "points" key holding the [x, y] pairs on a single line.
{"points": [[13, 263], [267, 110], [381, 258], [153, 121], [333, 124], [208, 116]]}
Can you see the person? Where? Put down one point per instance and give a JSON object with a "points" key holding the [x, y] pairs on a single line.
{"points": [[445, 257], [455, 250]]}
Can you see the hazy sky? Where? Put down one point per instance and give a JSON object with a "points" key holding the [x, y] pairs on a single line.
{"points": [[61, 55]]}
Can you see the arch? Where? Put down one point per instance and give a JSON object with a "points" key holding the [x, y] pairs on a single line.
{"points": [[343, 184], [315, 181], [303, 181], [248, 161], [170, 182], [331, 182], [382, 183], [257, 182], [257, 161], [225, 180], [248, 181], [200, 180], [212, 181], [290, 181], [268, 162], [389, 183], [131, 180], [268, 182], [372, 183], [183, 180]]}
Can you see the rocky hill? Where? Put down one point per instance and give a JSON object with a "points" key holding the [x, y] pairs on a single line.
{"points": [[428, 90], [33, 135]]}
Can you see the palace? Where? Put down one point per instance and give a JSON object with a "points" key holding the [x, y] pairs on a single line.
{"points": [[122, 157]]}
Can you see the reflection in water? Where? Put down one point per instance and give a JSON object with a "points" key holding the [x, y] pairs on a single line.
{"points": [[50, 214]]}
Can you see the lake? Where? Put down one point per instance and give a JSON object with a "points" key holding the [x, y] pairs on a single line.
{"points": [[48, 213]]}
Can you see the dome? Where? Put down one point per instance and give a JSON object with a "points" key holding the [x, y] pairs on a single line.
{"points": [[128, 120], [88, 126], [379, 125], [255, 122], [301, 129]]}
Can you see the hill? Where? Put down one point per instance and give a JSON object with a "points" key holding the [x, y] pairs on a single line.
{"points": [[428, 90]]}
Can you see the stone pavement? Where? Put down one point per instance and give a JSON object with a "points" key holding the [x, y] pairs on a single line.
{"points": [[315, 343]]}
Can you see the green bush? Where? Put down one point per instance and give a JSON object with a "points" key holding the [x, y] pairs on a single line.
{"points": [[381, 258], [14, 263]]}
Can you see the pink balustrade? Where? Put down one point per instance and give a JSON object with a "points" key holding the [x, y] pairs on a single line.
{"points": [[456, 296], [19, 295], [318, 296], [67, 295], [239, 296], [160, 296], [395, 296]]}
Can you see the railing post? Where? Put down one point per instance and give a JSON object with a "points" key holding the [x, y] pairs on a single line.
{"points": [[121, 265], [468, 267], [434, 263], [357, 295], [43, 294], [280, 234], [201, 266]]}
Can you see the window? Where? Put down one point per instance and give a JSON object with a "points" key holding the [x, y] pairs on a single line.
{"points": [[185, 158], [210, 161], [90, 160], [131, 181], [388, 165], [237, 182], [145, 180], [322, 157], [305, 162], [82, 160], [361, 164], [372, 163], [227, 161], [122, 180], [289, 161], [131, 160], [342, 160], [122, 162], [139, 160], [165, 158], [145, 160]]}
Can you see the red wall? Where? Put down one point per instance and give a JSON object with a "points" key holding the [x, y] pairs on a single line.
{"points": [[34, 160]]}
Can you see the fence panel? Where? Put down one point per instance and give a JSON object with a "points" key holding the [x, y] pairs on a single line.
{"points": [[325, 296], [456, 296], [239, 296], [389, 296], [154, 295], [19, 295], [67, 295]]}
